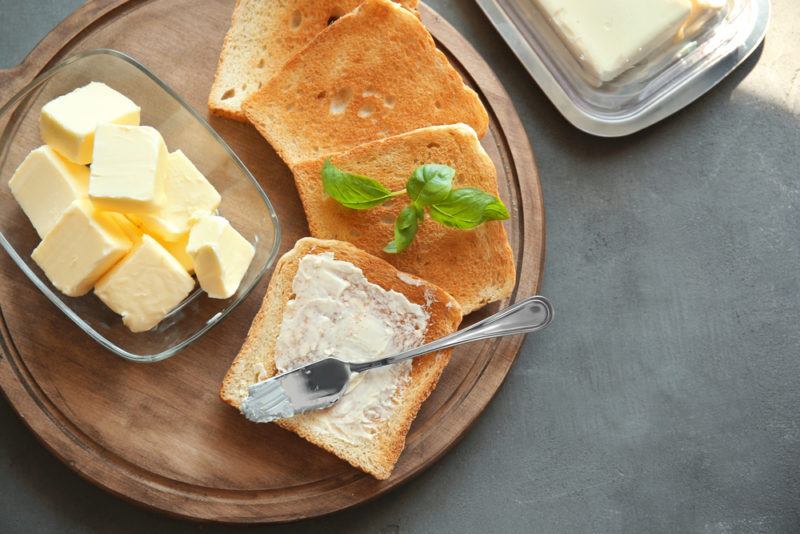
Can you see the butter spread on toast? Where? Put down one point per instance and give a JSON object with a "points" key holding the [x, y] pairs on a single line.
{"points": [[337, 312]]}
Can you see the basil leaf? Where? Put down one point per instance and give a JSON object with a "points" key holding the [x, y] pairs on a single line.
{"points": [[405, 228], [430, 183], [467, 208], [351, 190]]}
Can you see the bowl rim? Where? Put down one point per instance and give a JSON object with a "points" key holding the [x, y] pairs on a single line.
{"points": [[55, 298]]}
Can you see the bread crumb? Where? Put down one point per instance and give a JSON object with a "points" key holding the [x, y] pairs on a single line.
{"points": [[410, 280]]}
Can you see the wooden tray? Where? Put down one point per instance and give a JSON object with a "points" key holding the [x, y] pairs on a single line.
{"points": [[126, 426]]}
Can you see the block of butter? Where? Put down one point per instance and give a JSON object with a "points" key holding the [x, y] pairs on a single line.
{"points": [[611, 36], [131, 231], [145, 286], [80, 248], [176, 248], [68, 123], [45, 185], [128, 168], [221, 256], [188, 196]]}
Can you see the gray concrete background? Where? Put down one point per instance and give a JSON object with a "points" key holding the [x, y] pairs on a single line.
{"points": [[666, 396]]}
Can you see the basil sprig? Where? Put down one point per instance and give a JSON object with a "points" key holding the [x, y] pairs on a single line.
{"points": [[429, 187]]}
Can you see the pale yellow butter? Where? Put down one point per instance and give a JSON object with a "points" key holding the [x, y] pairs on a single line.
{"points": [[188, 196], [131, 231], [611, 36], [45, 185], [128, 170], [80, 248], [221, 256], [68, 123], [336, 310], [176, 248], [145, 286]]}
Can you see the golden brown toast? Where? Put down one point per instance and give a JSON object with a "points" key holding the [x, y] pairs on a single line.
{"points": [[378, 455], [262, 36], [475, 266], [373, 73]]}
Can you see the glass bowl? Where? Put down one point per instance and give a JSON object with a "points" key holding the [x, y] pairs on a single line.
{"points": [[244, 202]]}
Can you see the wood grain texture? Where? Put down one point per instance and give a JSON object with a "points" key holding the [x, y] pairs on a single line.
{"points": [[157, 434]]}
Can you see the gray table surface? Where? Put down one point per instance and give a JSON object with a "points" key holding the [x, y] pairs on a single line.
{"points": [[666, 396]]}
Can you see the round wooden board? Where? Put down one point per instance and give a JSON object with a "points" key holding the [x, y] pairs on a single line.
{"points": [[157, 434]]}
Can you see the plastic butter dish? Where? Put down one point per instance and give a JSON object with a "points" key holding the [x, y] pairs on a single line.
{"points": [[614, 67]]}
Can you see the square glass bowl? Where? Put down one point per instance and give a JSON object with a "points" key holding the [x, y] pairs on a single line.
{"points": [[244, 202]]}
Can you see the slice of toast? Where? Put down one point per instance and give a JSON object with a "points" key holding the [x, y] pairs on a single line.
{"points": [[256, 359], [475, 266], [262, 36], [373, 73]]}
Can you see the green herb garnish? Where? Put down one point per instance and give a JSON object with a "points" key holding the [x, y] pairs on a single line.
{"points": [[405, 228], [467, 208], [353, 191], [429, 184], [429, 187]]}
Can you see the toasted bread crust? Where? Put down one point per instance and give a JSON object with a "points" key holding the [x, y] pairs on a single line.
{"points": [[262, 36], [475, 266], [259, 349], [373, 73]]}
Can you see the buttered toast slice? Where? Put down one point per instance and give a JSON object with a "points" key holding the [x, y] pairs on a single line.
{"points": [[475, 266], [368, 427], [373, 73], [262, 36]]}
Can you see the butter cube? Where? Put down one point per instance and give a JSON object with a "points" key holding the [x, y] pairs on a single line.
{"points": [[80, 248], [45, 185], [128, 170], [176, 248], [131, 231], [68, 122], [145, 286], [188, 196], [221, 256]]}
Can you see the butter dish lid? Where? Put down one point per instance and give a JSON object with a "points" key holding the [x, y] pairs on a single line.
{"points": [[613, 68]]}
